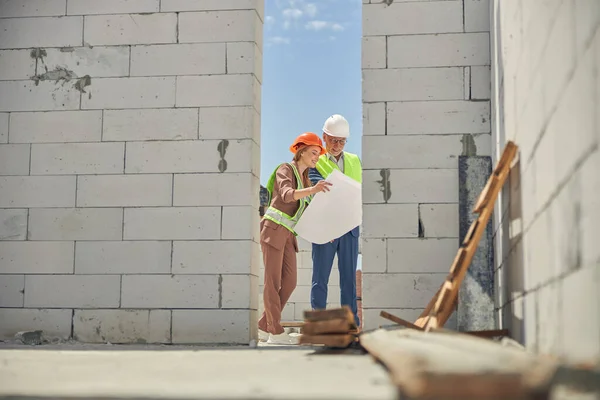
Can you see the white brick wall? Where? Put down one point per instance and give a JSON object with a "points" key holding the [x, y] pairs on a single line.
{"points": [[546, 95], [426, 102], [123, 187]]}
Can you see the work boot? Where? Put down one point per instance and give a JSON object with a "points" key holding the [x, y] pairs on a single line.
{"points": [[262, 336], [282, 338]]}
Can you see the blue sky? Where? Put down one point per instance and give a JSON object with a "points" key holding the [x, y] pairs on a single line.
{"points": [[311, 69]]}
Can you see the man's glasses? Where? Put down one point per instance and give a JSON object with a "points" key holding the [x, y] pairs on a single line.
{"points": [[336, 141]]}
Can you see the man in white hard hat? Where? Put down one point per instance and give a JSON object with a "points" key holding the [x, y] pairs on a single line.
{"points": [[335, 134]]}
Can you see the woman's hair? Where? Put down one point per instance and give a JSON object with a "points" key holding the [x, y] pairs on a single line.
{"points": [[305, 181]]}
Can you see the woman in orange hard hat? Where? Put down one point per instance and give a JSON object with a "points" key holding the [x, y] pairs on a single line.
{"points": [[289, 191]]}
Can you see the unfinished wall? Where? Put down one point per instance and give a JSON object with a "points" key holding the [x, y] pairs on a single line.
{"points": [[426, 90], [547, 99], [129, 169]]}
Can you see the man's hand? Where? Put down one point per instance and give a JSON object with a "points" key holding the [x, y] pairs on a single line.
{"points": [[321, 186]]}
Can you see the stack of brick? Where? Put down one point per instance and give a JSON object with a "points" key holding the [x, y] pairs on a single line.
{"points": [[426, 90], [129, 165]]}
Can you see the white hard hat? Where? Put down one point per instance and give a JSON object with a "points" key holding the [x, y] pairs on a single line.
{"points": [[337, 126]]}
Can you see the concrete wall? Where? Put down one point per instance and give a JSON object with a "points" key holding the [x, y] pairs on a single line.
{"points": [[129, 165], [426, 90], [547, 99]]}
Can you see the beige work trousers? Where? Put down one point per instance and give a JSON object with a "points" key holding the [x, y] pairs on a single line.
{"points": [[279, 247]]}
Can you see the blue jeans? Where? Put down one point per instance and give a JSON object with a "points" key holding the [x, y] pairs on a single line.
{"points": [[346, 248]]}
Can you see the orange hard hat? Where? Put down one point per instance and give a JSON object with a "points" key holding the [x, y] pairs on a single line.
{"points": [[307, 139]]}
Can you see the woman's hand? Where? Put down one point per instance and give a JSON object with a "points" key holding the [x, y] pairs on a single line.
{"points": [[321, 186]]}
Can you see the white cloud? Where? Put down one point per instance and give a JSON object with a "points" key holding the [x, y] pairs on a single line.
{"points": [[269, 19], [286, 24], [332, 38], [310, 9], [316, 25], [278, 40], [292, 13]]}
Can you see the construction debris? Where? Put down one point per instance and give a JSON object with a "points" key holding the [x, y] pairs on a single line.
{"points": [[332, 328]]}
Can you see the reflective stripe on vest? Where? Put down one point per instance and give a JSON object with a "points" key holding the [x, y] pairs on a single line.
{"points": [[352, 166], [279, 217]]}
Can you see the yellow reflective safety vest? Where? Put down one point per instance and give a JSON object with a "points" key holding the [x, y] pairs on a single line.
{"points": [[279, 217], [352, 166]]}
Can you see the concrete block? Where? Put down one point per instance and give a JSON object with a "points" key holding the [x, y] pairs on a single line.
{"points": [[229, 123], [421, 256], [540, 263], [214, 326], [244, 58], [374, 118], [212, 257], [439, 220], [54, 323], [72, 291], [152, 124], [455, 49], [170, 291], [32, 8], [579, 291], [16, 64], [240, 223], [402, 18], [12, 288], [413, 84], [91, 61], [20, 257], [122, 326], [590, 209], [477, 15], [400, 290], [123, 257], [124, 190], [130, 29], [416, 151], [372, 319], [77, 158], [47, 96], [87, 7], [575, 112], [237, 189], [130, 93], [239, 291], [56, 127], [13, 224], [180, 223], [480, 83], [220, 26], [37, 191], [438, 117], [558, 63], [14, 159], [390, 220], [25, 32], [417, 186], [374, 255], [192, 59], [587, 20], [4, 117], [75, 224], [549, 311], [210, 5], [217, 90], [374, 52], [189, 156]]}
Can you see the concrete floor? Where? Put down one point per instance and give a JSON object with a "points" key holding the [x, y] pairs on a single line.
{"points": [[186, 372]]}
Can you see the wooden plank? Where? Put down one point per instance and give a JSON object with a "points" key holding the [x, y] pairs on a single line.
{"points": [[399, 321], [337, 341], [508, 155], [292, 324], [457, 366], [343, 312], [339, 326]]}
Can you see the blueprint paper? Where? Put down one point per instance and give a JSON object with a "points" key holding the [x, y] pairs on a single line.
{"points": [[334, 213]]}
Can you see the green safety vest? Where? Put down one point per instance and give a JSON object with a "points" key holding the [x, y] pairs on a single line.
{"points": [[352, 166], [279, 217]]}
